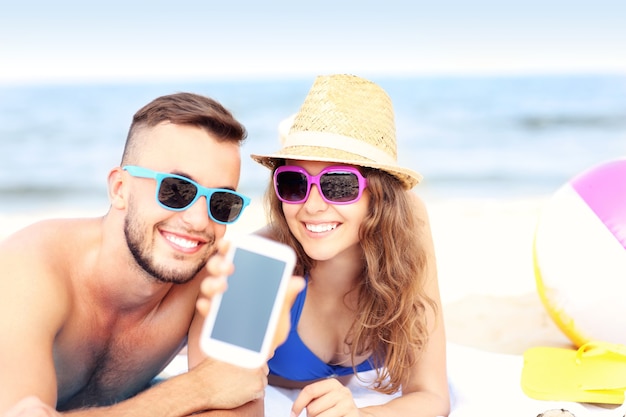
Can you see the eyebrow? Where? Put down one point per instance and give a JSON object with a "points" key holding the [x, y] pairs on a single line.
{"points": [[189, 177]]}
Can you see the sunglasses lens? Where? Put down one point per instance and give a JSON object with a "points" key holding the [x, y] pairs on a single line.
{"points": [[225, 207], [340, 187], [291, 186], [176, 193]]}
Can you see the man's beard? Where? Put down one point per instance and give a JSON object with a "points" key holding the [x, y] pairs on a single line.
{"points": [[135, 240]]}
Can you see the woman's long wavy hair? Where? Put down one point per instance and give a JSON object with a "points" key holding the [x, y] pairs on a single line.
{"points": [[391, 320]]}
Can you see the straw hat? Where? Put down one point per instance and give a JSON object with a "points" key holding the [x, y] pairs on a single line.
{"points": [[344, 119]]}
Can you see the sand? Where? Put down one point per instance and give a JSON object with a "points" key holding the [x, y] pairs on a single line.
{"points": [[484, 262], [486, 277]]}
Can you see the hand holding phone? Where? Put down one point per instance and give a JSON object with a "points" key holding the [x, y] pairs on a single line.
{"points": [[241, 323]]}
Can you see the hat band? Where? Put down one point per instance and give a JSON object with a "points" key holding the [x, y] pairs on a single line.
{"points": [[339, 142]]}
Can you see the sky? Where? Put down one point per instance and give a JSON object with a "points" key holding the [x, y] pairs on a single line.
{"points": [[152, 40]]}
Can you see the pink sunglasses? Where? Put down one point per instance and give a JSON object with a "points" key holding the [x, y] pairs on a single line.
{"points": [[336, 184]]}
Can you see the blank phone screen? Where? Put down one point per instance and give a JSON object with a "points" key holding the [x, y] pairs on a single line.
{"points": [[246, 306]]}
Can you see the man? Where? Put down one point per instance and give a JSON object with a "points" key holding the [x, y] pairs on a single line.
{"points": [[93, 309]]}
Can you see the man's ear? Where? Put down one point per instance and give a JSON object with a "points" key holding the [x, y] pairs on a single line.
{"points": [[116, 188]]}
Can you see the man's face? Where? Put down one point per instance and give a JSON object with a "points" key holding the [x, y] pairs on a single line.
{"points": [[174, 246]]}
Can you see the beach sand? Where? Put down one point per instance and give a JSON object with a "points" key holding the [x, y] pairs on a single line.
{"points": [[486, 276], [484, 260]]}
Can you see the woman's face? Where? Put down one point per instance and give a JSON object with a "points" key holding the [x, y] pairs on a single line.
{"points": [[323, 229]]}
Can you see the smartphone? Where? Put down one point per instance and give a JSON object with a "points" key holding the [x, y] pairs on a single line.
{"points": [[241, 323]]}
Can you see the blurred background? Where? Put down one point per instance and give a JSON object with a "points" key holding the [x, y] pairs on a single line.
{"points": [[493, 100]]}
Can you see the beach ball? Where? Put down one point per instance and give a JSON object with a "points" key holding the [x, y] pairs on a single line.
{"points": [[579, 255]]}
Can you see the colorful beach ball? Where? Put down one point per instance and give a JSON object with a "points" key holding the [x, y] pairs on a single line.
{"points": [[580, 255]]}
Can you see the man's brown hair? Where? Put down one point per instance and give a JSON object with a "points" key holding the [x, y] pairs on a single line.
{"points": [[184, 109]]}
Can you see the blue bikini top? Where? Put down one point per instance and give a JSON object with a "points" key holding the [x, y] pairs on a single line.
{"points": [[294, 361]]}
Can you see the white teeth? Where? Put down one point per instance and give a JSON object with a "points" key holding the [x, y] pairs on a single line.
{"points": [[320, 228], [182, 242]]}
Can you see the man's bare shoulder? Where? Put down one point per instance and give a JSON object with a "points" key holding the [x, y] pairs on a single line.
{"points": [[47, 239], [42, 255]]}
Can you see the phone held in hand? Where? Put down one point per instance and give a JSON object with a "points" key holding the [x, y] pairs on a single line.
{"points": [[241, 323]]}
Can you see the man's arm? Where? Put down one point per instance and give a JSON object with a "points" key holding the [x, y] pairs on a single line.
{"points": [[33, 407], [32, 311], [236, 382], [205, 387]]}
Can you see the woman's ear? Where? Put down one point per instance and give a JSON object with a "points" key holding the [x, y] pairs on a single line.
{"points": [[116, 186]]}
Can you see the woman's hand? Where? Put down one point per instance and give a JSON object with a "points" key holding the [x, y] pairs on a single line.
{"points": [[328, 398]]}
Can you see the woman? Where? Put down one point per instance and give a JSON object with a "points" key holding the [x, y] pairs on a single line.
{"points": [[371, 302]]}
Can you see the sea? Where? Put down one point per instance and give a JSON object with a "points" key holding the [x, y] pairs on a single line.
{"points": [[494, 137]]}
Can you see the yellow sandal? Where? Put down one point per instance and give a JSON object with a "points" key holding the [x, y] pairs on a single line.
{"points": [[595, 373]]}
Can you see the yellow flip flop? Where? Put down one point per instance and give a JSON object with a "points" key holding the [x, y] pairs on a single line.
{"points": [[595, 373]]}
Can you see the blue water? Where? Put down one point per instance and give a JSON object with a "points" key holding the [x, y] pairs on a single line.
{"points": [[487, 137]]}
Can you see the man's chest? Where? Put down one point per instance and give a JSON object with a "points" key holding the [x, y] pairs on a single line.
{"points": [[103, 366]]}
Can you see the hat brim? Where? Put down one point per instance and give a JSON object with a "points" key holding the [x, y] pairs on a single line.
{"points": [[407, 177]]}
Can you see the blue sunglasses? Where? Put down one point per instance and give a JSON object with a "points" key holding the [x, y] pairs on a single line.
{"points": [[178, 193]]}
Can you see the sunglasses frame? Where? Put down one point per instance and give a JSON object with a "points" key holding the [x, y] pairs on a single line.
{"points": [[315, 180], [141, 172]]}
